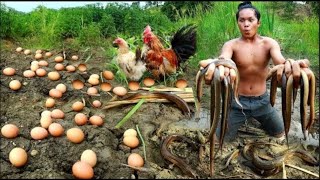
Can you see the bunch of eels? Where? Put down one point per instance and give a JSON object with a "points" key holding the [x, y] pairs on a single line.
{"points": [[290, 77], [221, 89]]}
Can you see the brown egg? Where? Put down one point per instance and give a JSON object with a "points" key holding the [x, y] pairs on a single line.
{"points": [[59, 67], [108, 75], [34, 62], [27, 51], [28, 73], [133, 85], [56, 129], [181, 83], [135, 160], [43, 63], [93, 81], [77, 84], [82, 67], [53, 75], [89, 157], [130, 132], [55, 93], [75, 135], [38, 56], [131, 141], [61, 87], [9, 71], [46, 113], [18, 157], [74, 57], [80, 119], [77, 106], [41, 72], [96, 103], [58, 59], [10, 131], [50, 102], [45, 121], [96, 120], [57, 114], [82, 170], [120, 91], [39, 51], [148, 82], [48, 54], [92, 91], [15, 85], [70, 68], [34, 66], [105, 86], [94, 76], [38, 133], [19, 49]]}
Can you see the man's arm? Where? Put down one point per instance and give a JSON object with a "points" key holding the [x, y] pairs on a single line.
{"points": [[226, 53], [275, 52]]}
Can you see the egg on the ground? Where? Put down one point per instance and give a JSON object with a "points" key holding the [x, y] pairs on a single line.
{"points": [[9, 71], [18, 157], [75, 135], [119, 90], [15, 85], [10, 131], [82, 170], [135, 160], [89, 156], [148, 82]]}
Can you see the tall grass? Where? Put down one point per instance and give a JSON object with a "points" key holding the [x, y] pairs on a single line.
{"points": [[43, 24], [214, 28], [298, 39]]}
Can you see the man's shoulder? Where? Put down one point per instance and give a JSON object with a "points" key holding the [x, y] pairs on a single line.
{"points": [[269, 39]]}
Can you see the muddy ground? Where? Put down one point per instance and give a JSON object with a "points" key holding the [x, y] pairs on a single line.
{"points": [[53, 157]]}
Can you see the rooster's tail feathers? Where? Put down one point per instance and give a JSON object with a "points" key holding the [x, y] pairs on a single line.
{"points": [[184, 42]]}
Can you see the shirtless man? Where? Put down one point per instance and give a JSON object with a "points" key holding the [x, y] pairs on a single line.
{"points": [[251, 53]]}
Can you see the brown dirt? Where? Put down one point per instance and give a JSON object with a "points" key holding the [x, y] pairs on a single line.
{"points": [[53, 157]]}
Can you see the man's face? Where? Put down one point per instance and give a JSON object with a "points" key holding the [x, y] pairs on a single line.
{"points": [[248, 22]]}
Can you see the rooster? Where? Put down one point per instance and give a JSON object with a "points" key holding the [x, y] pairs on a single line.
{"points": [[131, 63], [162, 61]]}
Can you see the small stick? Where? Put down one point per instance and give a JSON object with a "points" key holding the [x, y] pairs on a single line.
{"points": [[101, 77], [84, 102], [303, 170], [284, 173]]}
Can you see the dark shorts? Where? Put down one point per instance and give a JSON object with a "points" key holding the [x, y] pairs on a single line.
{"points": [[257, 107]]}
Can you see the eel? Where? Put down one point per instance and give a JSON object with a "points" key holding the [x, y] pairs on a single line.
{"points": [[304, 93], [311, 99], [166, 154]]}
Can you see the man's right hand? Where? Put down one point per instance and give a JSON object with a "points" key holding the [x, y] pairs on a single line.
{"points": [[224, 71], [209, 74]]}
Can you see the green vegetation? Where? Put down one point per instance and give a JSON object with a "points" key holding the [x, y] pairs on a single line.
{"points": [[294, 26]]}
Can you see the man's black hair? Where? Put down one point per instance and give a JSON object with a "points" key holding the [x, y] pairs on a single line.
{"points": [[247, 4]]}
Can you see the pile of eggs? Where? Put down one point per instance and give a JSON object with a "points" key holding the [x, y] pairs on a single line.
{"points": [[83, 168]]}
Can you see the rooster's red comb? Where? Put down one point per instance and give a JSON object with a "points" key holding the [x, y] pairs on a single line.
{"points": [[147, 29]]}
